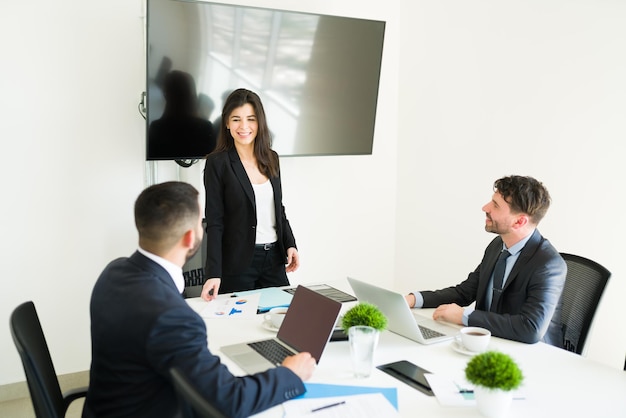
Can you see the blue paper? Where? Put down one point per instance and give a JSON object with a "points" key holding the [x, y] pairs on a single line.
{"points": [[322, 390]]}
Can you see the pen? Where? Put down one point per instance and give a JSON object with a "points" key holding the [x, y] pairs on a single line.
{"points": [[328, 406], [463, 389]]}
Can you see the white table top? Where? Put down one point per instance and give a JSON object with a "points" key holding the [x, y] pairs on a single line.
{"points": [[556, 382]]}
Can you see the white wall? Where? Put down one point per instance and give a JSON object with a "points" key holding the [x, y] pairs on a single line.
{"points": [[73, 148], [72, 164], [492, 88], [547, 78]]}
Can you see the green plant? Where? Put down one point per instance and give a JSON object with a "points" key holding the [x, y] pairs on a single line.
{"points": [[364, 313], [494, 370]]}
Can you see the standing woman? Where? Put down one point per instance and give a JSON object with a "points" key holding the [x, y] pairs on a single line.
{"points": [[249, 239]]}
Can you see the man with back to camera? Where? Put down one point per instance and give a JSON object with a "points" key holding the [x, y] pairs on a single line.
{"points": [[527, 306], [141, 326]]}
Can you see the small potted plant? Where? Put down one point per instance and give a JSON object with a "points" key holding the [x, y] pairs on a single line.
{"points": [[494, 375], [363, 323], [364, 314]]}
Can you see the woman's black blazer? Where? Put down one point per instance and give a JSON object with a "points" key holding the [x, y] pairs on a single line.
{"points": [[231, 215]]}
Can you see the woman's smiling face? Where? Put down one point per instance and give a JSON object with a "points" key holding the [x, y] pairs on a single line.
{"points": [[243, 125]]}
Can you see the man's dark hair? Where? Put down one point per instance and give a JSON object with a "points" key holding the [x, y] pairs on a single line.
{"points": [[525, 195], [164, 212]]}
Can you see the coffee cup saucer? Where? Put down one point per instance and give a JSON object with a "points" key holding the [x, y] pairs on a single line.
{"points": [[461, 349], [267, 324]]}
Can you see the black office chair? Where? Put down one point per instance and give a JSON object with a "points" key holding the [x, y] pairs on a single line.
{"points": [[189, 397], [43, 383], [584, 285], [193, 269]]}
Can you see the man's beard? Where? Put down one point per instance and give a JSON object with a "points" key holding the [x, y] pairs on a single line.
{"points": [[495, 228], [492, 227], [192, 251]]}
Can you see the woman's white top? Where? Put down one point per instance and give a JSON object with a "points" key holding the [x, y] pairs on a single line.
{"points": [[265, 213]]}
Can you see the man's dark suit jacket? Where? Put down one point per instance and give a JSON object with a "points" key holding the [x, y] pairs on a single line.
{"points": [[231, 215], [140, 327], [530, 304]]}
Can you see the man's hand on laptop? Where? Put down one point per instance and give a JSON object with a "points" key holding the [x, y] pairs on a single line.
{"points": [[210, 288], [302, 364], [452, 313]]}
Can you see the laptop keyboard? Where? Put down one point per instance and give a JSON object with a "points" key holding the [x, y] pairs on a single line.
{"points": [[271, 350], [430, 333]]}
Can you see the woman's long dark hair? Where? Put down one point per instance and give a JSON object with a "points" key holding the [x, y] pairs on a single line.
{"points": [[267, 159]]}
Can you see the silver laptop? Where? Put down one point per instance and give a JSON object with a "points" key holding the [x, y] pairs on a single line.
{"points": [[307, 326], [400, 318]]}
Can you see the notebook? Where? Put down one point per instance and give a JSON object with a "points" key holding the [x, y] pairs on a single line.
{"points": [[400, 319], [307, 326]]}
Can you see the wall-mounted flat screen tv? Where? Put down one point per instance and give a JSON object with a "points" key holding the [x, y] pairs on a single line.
{"points": [[317, 75]]}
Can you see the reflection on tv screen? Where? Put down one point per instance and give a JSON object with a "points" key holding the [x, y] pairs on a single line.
{"points": [[317, 76]]}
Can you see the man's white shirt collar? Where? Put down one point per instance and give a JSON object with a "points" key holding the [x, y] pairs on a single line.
{"points": [[175, 272]]}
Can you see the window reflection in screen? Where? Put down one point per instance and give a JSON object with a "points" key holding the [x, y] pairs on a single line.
{"points": [[317, 75]]}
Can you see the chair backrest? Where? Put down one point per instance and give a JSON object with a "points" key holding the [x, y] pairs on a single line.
{"points": [[188, 396], [41, 377], [584, 285]]}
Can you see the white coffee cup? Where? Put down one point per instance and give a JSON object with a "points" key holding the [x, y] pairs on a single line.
{"points": [[275, 316], [475, 339]]}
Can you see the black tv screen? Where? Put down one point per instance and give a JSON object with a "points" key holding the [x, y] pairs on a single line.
{"points": [[317, 75]]}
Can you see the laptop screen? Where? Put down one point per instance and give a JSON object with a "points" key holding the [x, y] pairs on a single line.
{"points": [[309, 321]]}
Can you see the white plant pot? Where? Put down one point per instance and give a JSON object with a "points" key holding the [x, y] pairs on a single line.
{"points": [[493, 403]]}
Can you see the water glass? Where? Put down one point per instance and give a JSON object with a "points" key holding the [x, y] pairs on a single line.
{"points": [[363, 342]]}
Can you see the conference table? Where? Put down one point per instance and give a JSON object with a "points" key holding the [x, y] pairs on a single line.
{"points": [[556, 382]]}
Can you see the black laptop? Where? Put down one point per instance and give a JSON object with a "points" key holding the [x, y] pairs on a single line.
{"points": [[307, 327]]}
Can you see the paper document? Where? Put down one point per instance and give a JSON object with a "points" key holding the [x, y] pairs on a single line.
{"points": [[242, 307], [457, 392], [355, 406], [450, 393], [324, 390]]}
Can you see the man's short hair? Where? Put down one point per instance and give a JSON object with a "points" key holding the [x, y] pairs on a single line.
{"points": [[165, 211], [524, 195]]}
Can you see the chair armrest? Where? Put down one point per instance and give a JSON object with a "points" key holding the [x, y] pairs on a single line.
{"points": [[73, 394]]}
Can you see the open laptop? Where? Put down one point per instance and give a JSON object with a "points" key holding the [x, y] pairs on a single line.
{"points": [[400, 319], [307, 326]]}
